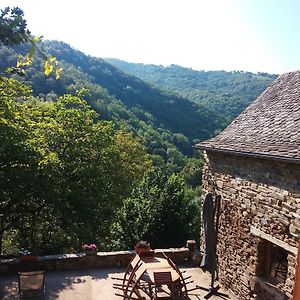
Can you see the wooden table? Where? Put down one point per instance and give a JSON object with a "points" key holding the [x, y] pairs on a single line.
{"points": [[149, 276], [148, 266], [152, 265]]}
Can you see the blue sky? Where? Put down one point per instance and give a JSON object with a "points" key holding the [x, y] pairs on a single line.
{"points": [[248, 35]]}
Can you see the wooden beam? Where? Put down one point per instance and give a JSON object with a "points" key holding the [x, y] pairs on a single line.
{"points": [[257, 232]]}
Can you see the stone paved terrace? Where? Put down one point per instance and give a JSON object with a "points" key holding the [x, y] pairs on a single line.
{"points": [[87, 277], [94, 284]]}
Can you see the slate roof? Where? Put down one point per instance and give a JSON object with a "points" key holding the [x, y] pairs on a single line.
{"points": [[269, 127]]}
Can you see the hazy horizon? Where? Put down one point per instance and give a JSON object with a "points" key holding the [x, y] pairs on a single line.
{"points": [[230, 35]]}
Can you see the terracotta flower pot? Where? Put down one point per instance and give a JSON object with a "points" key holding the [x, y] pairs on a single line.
{"points": [[28, 258], [142, 247], [90, 252]]}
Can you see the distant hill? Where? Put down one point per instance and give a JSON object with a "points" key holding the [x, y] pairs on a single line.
{"points": [[167, 124], [169, 111], [226, 93]]}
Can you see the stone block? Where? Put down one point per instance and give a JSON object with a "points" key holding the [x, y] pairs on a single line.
{"points": [[249, 193], [276, 207], [293, 199], [219, 184], [294, 230], [288, 207], [277, 196]]}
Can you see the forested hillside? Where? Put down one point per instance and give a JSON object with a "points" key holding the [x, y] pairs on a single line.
{"points": [[168, 125], [85, 153], [170, 111], [90, 154], [226, 93], [105, 82]]}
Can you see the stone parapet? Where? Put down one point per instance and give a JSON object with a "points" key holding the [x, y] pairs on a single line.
{"points": [[82, 261]]}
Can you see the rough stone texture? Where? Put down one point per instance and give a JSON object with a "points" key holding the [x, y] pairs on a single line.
{"points": [[82, 262], [260, 193]]}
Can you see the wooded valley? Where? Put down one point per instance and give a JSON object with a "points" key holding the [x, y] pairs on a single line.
{"points": [[103, 151]]}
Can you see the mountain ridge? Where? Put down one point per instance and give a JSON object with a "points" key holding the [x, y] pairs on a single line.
{"points": [[225, 93], [168, 125], [133, 91]]}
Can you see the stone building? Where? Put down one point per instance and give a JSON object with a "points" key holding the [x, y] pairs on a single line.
{"points": [[254, 164]]}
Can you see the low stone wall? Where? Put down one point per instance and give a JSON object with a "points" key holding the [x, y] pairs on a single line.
{"points": [[82, 261], [259, 194]]}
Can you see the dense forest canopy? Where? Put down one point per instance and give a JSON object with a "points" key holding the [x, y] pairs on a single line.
{"points": [[170, 111], [62, 172], [76, 149], [65, 173], [92, 154], [225, 93]]}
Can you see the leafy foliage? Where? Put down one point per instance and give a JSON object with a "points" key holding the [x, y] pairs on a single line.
{"points": [[13, 27], [13, 31], [73, 171], [152, 116], [160, 211], [225, 93], [59, 168]]}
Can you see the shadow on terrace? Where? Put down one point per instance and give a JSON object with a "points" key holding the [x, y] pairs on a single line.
{"points": [[90, 277]]}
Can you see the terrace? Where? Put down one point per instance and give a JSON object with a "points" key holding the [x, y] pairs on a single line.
{"points": [[90, 277]]}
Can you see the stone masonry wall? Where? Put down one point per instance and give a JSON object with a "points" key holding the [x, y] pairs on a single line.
{"points": [[263, 194]]}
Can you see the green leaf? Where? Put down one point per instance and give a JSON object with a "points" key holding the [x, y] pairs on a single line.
{"points": [[57, 73], [36, 39], [27, 61], [48, 68]]}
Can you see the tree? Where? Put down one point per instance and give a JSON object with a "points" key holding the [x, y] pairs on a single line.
{"points": [[160, 211], [13, 27], [62, 173], [13, 31], [192, 172], [18, 160]]}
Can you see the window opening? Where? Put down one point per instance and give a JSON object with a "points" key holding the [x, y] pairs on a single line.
{"points": [[276, 262]]}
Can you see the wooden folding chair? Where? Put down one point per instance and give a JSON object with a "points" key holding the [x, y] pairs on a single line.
{"points": [[163, 286], [31, 285], [181, 284], [140, 287], [131, 287], [132, 264]]}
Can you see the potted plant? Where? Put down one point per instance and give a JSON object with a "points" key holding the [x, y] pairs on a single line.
{"points": [[142, 246], [89, 249], [26, 255]]}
